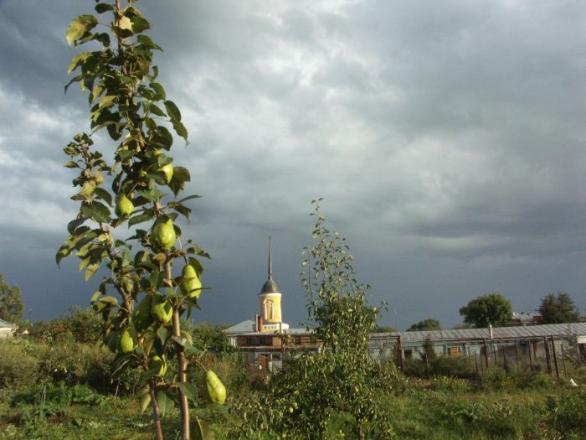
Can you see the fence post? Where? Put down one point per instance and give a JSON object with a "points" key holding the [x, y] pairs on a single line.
{"points": [[485, 354], [401, 354], [547, 355], [564, 361], [555, 358]]}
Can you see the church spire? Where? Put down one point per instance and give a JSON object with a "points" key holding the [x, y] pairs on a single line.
{"points": [[270, 265]]}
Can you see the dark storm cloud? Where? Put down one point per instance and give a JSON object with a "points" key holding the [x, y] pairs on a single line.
{"points": [[447, 138]]}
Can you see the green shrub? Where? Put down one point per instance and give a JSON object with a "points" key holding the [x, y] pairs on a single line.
{"points": [[450, 385], [496, 378], [18, 366], [567, 414], [535, 381], [440, 366]]}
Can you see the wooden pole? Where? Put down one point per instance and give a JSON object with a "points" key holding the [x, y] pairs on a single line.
{"points": [[530, 355], [485, 354], [547, 355], [555, 358], [494, 352], [401, 354], [564, 361], [517, 356]]}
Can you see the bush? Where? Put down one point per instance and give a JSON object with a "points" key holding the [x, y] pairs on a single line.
{"points": [[440, 366], [18, 366], [536, 381], [567, 415], [450, 385], [496, 378]]}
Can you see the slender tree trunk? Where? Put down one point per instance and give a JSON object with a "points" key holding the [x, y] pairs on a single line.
{"points": [[156, 412], [182, 364]]}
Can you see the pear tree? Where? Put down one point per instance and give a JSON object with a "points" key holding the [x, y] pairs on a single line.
{"points": [[313, 388], [127, 228]]}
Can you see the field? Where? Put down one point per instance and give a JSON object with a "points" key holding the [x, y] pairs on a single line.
{"points": [[63, 390]]}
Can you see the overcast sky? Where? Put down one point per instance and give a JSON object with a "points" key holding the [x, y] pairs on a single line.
{"points": [[447, 138]]}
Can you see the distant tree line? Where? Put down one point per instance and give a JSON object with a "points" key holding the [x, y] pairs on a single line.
{"points": [[496, 310]]}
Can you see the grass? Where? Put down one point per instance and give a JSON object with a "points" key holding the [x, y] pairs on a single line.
{"points": [[424, 411], [65, 392]]}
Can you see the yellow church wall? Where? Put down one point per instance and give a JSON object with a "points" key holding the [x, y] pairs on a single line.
{"points": [[268, 301]]}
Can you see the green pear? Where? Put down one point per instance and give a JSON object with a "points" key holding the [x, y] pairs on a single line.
{"points": [[216, 389], [124, 206], [141, 317], [161, 310], [158, 364], [168, 171], [163, 235], [191, 284], [126, 342]]}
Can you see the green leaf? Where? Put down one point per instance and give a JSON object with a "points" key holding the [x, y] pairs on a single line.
{"points": [[145, 402], [184, 210], [91, 270], [96, 211], [71, 164], [104, 195], [108, 101], [71, 81], [193, 196], [157, 110], [79, 27], [180, 129], [103, 7], [63, 252], [196, 265], [149, 44], [73, 224], [202, 430], [152, 195], [76, 61], [195, 249], [103, 38], [173, 111], [141, 218], [162, 138], [97, 294], [139, 24], [190, 390], [180, 176], [159, 91], [165, 403]]}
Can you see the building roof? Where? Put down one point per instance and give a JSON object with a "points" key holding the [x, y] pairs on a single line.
{"points": [[242, 327], [570, 329], [269, 287], [531, 331], [6, 324], [247, 327]]}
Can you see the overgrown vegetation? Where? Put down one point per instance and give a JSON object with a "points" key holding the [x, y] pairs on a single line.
{"points": [[62, 389]]}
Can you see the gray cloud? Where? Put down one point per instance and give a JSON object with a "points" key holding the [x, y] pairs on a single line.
{"points": [[446, 138]]}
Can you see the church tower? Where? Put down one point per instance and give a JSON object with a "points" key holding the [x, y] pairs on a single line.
{"points": [[270, 303]]}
